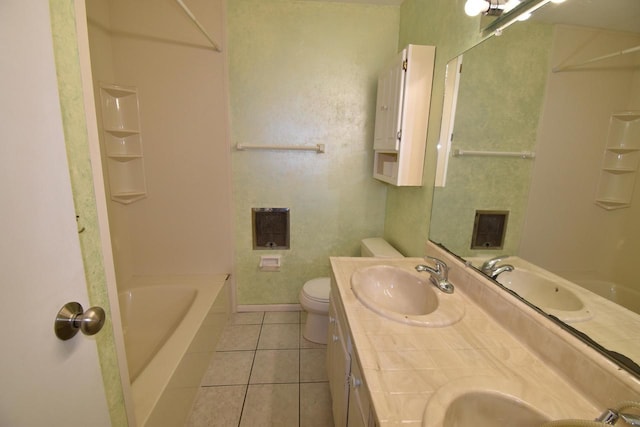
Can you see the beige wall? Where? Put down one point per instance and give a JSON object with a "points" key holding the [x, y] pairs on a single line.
{"points": [[565, 230], [184, 225]]}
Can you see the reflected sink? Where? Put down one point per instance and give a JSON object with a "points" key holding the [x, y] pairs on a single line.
{"points": [[403, 296], [547, 294], [486, 402]]}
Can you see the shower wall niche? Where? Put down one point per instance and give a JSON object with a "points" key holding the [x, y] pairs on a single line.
{"points": [[620, 163], [122, 141]]}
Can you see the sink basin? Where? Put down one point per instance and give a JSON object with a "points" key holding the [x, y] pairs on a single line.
{"points": [[480, 409], [403, 296], [547, 294], [487, 402]]}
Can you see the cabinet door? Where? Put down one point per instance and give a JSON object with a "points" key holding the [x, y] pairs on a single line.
{"points": [[359, 403], [339, 364], [389, 105]]}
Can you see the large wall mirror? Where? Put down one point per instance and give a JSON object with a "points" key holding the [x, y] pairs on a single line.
{"points": [[545, 145]]}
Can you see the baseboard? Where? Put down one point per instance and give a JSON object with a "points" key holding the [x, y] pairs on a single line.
{"points": [[268, 307]]}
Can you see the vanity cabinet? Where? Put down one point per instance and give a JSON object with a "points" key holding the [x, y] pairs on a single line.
{"points": [[402, 116], [620, 163], [349, 394], [122, 142]]}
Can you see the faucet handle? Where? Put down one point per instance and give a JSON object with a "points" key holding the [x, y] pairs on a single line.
{"points": [[491, 263], [441, 266]]}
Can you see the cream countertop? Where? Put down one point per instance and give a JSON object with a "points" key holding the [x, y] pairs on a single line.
{"points": [[404, 366]]}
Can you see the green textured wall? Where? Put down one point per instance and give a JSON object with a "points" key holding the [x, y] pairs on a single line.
{"points": [[440, 23], [409, 219], [305, 73], [499, 102], [75, 130]]}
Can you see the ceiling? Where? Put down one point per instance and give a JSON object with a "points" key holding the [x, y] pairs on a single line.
{"points": [[619, 15], [386, 2]]}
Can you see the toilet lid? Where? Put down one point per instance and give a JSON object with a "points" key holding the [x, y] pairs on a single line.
{"points": [[318, 289]]}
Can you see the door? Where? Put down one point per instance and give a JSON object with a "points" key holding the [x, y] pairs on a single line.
{"points": [[389, 103], [45, 381]]}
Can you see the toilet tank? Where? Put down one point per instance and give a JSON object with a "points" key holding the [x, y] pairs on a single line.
{"points": [[377, 247]]}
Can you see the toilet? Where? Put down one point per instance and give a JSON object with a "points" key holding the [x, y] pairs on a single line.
{"points": [[314, 295]]}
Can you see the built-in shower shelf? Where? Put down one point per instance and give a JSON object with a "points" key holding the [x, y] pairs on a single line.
{"points": [[618, 171], [620, 162], [119, 91], [122, 133], [125, 157], [612, 204], [126, 198], [122, 143]]}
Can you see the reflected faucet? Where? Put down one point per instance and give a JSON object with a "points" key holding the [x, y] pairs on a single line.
{"points": [[491, 268], [611, 416], [438, 276]]}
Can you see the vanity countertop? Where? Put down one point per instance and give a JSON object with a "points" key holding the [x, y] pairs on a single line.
{"points": [[404, 365]]}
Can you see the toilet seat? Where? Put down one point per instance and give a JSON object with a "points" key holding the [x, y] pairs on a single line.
{"points": [[317, 289]]}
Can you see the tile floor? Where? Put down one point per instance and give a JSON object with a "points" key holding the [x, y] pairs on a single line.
{"points": [[264, 373]]}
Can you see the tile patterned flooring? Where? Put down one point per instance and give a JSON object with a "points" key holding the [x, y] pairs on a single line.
{"points": [[264, 373]]}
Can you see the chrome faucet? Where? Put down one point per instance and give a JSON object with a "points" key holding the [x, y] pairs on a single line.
{"points": [[491, 268], [611, 416], [438, 276]]}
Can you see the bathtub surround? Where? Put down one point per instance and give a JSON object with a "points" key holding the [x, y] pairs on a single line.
{"points": [[305, 73], [591, 240], [184, 224], [183, 227]]}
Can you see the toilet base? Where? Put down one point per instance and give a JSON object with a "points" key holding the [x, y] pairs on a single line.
{"points": [[315, 330]]}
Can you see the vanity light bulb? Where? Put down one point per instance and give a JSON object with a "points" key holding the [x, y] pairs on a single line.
{"points": [[524, 17], [557, 1], [510, 5], [476, 7]]}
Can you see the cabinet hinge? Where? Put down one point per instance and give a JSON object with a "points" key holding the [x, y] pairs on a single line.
{"points": [[399, 135], [405, 65]]}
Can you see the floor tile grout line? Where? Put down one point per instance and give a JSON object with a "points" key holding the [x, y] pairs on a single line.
{"points": [[299, 372], [246, 390]]}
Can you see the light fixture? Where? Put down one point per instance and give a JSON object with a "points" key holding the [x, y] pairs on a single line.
{"points": [[486, 7], [506, 11]]}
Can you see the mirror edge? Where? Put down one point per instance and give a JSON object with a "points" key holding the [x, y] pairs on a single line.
{"points": [[619, 359]]}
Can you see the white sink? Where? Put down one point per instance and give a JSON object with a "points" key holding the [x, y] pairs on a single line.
{"points": [[547, 294], [406, 297], [488, 402]]}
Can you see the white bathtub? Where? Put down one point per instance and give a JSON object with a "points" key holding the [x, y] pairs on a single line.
{"points": [[171, 326], [621, 295], [149, 316]]}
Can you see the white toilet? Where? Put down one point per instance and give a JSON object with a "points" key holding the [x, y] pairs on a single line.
{"points": [[314, 296]]}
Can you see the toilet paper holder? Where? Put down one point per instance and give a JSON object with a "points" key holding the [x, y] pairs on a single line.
{"points": [[270, 262]]}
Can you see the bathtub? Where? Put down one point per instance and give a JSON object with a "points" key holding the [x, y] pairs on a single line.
{"points": [[171, 326], [621, 295]]}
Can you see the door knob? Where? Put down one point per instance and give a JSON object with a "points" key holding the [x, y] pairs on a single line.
{"points": [[72, 318]]}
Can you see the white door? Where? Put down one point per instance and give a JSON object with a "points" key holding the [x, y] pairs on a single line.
{"points": [[43, 381], [389, 103]]}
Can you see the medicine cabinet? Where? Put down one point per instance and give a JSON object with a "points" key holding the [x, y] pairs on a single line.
{"points": [[402, 116], [620, 162]]}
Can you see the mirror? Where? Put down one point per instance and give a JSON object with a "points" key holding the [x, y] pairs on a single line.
{"points": [[547, 128]]}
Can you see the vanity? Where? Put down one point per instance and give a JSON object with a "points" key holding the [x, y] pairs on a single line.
{"points": [[493, 351]]}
